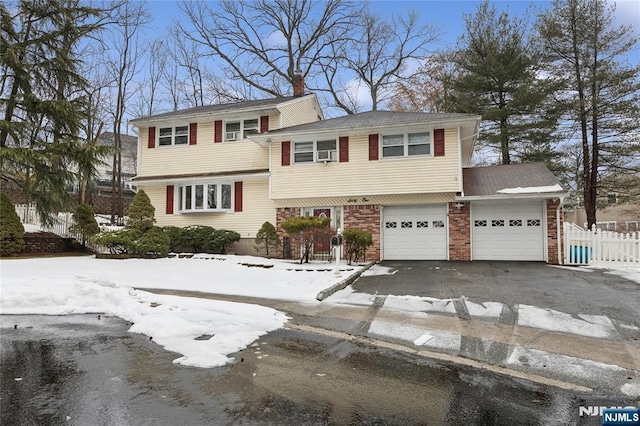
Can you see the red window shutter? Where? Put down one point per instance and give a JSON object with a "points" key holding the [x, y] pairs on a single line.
{"points": [[343, 142], [286, 153], [193, 133], [438, 142], [169, 199], [237, 197], [373, 147], [218, 131], [264, 123], [151, 143]]}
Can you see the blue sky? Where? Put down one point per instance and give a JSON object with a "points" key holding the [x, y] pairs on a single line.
{"points": [[448, 13]]}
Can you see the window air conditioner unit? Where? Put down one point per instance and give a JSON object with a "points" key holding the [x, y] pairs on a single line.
{"points": [[324, 156], [231, 136]]}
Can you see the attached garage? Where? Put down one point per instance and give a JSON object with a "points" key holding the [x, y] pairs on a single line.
{"points": [[508, 231], [415, 232]]}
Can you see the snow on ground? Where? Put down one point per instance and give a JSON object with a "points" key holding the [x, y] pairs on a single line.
{"points": [[547, 319], [379, 270], [31, 228], [78, 285], [420, 304]]}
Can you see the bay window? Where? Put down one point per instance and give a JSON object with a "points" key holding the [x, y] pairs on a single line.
{"points": [[205, 197]]}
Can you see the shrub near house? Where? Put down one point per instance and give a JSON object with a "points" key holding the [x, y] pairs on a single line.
{"points": [[11, 229]]}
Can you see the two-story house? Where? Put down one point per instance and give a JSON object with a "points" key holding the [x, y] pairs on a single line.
{"points": [[404, 177]]}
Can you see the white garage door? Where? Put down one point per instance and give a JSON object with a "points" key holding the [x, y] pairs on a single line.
{"points": [[507, 231], [415, 233]]}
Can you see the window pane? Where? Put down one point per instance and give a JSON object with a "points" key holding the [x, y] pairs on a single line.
{"points": [[165, 136], [391, 140], [182, 130], [226, 196], [393, 151], [212, 197], [327, 145], [418, 138], [181, 140], [303, 146], [419, 149], [187, 197], [199, 196], [232, 126], [305, 157]]}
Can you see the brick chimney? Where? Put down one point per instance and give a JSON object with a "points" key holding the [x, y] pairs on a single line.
{"points": [[298, 83]]}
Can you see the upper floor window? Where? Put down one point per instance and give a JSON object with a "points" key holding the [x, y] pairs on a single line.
{"points": [[240, 129], [308, 152], [178, 135], [407, 144], [205, 197]]}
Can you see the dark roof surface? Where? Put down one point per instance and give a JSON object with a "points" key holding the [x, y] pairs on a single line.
{"points": [[257, 104], [489, 180], [371, 119]]}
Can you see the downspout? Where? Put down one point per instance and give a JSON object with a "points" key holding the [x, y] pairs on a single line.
{"points": [[270, 158], [558, 229]]}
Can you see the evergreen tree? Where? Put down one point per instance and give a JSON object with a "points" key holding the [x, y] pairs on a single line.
{"points": [[600, 90], [268, 236], [40, 108], [85, 224], [11, 228], [497, 77], [141, 212]]}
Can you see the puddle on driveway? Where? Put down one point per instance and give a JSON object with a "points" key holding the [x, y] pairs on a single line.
{"points": [[80, 370]]}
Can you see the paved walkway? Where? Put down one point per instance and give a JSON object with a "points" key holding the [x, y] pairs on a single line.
{"points": [[603, 357]]}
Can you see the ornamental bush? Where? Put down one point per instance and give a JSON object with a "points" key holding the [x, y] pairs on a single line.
{"points": [[356, 243], [200, 239], [307, 230], [11, 229], [141, 212], [119, 242], [221, 239], [267, 236], [154, 242]]}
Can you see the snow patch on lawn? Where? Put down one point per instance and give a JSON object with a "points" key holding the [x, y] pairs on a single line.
{"points": [[172, 322]]}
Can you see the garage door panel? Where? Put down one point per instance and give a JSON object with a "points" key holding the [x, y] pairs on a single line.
{"points": [[415, 233], [507, 231]]}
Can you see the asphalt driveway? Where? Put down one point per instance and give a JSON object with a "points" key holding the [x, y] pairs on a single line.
{"points": [[574, 291]]}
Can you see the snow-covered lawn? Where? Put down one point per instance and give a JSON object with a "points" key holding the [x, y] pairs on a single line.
{"points": [[76, 285]]}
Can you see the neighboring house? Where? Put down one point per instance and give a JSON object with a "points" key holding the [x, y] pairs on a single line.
{"points": [[129, 154], [404, 177], [618, 217]]}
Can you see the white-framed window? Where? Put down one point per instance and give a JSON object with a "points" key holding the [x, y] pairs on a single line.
{"points": [[211, 197], [406, 144], [235, 130], [324, 150], [178, 135]]}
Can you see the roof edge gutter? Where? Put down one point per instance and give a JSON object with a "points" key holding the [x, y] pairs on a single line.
{"points": [[178, 179], [536, 195]]}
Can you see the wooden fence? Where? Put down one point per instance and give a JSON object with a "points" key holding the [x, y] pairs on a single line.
{"points": [[599, 247], [61, 224]]}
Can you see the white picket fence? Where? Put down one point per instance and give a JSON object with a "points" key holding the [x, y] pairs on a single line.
{"points": [[61, 225], [599, 247]]}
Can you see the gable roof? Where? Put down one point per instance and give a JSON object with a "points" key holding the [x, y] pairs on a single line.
{"points": [[372, 119], [243, 106], [513, 180]]}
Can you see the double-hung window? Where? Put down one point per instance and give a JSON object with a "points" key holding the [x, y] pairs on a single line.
{"points": [[310, 151], [240, 129], [406, 145], [178, 135], [205, 197]]}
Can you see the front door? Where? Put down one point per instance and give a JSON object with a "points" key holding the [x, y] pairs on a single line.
{"points": [[323, 245]]}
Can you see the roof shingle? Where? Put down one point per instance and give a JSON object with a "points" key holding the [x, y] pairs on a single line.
{"points": [[479, 181]]}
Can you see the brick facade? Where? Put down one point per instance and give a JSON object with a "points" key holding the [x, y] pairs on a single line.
{"points": [[460, 232], [553, 242], [366, 218], [282, 214]]}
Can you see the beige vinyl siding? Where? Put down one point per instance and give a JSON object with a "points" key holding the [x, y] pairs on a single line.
{"points": [[204, 157], [300, 112], [361, 177], [256, 209], [399, 199]]}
